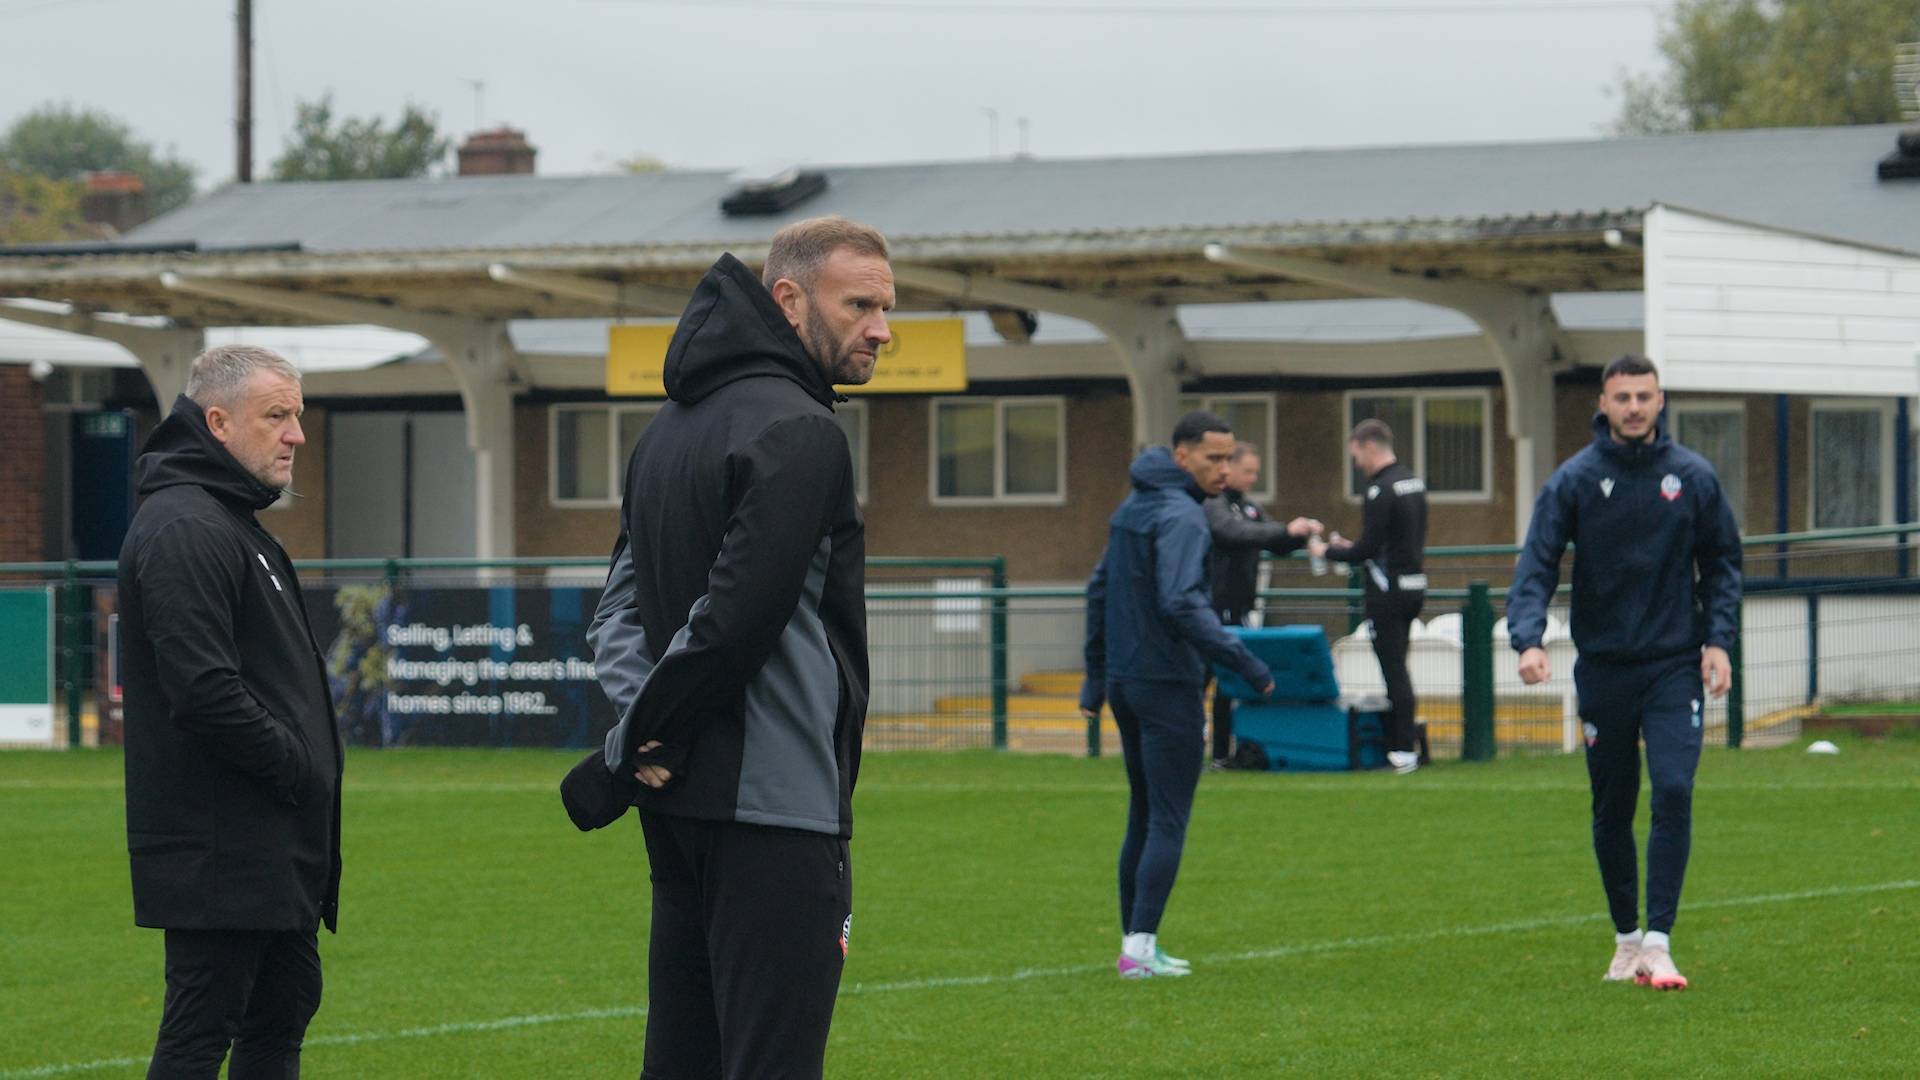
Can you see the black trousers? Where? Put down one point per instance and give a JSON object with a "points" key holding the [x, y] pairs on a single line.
{"points": [[1393, 614], [750, 927], [1623, 704], [251, 991], [1222, 704], [1161, 739]]}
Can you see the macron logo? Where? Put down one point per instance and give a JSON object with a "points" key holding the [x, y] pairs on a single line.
{"points": [[1606, 488]]}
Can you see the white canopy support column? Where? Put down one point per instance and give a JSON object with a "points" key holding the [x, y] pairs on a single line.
{"points": [[165, 352], [1153, 350], [478, 353], [1528, 343]]}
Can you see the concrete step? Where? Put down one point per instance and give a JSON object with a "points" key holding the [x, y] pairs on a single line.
{"points": [[1052, 683], [1017, 705]]}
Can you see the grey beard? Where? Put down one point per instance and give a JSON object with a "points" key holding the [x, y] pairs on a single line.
{"points": [[835, 358]]}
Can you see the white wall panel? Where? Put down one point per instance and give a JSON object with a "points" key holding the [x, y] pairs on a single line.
{"points": [[1736, 307]]}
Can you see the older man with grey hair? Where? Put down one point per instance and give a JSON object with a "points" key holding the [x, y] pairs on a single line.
{"points": [[233, 756]]}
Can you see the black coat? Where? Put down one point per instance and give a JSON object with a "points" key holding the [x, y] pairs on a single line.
{"points": [[233, 757], [733, 627], [1241, 531], [1393, 533]]}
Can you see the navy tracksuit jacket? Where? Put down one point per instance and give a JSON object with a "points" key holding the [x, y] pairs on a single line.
{"points": [[1656, 577]]}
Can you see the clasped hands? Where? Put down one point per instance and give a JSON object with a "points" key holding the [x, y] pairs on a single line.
{"points": [[654, 776]]}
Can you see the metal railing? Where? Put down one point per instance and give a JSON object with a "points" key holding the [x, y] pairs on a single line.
{"points": [[959, 658]]}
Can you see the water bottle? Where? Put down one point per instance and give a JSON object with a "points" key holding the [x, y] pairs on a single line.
{"points": [[1319, 562]]}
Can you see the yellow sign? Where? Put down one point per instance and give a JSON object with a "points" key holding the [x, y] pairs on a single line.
{"points": [[636, 357], [926, 356]]}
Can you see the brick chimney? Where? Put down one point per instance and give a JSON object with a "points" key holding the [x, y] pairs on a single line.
{"points": [[502, 151], [114, 199]]}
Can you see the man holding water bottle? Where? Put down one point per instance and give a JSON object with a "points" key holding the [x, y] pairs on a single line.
{"points": [[1392, 546], [1241, 530]]}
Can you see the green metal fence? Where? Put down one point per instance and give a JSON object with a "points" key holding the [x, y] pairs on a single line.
{"points": [[1830, 622]]}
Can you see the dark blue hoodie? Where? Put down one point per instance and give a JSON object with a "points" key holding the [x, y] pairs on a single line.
{"points": [[1149, 614], [1657, 572]]}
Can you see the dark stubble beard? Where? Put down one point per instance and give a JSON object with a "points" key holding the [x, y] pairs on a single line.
{"points": [[835, 357]]}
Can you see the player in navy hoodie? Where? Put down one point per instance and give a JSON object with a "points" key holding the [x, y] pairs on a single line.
{"points": [[1656, 598], [1152, 635]]}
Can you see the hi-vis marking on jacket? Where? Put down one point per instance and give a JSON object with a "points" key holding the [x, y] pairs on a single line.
{"points": [[1606, 487], [270, 574], [1411, 486], [1670, 487], [1373, 492]]}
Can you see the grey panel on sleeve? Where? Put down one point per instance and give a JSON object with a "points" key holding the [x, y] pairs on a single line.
{"points": [[679, 642], [788, 773], [619, 644]]}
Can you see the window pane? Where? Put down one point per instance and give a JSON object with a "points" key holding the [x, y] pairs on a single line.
{"points": [[1846, 468], [582, 452], [850, 416], [633, 423], [1456, 442], [1189, 404], [1249, 420], [1721, 438], [964, 450], [1395, 410], [1033, 449]]}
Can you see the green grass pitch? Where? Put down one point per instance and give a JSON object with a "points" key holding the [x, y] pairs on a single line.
{"points": [[1443, 924]]}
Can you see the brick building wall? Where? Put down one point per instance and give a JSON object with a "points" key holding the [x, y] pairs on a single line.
{"points": [[22, 465]]}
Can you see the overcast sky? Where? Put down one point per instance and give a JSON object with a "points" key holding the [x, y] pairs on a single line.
{"points": [[720, 83]]}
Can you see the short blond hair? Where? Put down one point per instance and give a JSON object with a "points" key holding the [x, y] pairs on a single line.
{"points": [[220, 375], [801, 249]]}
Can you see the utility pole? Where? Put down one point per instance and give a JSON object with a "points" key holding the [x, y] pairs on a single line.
{"points": [[243, 93]]}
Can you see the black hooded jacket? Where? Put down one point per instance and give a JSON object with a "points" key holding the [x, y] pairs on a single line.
{"points": [[233, 757], [733, 626]]}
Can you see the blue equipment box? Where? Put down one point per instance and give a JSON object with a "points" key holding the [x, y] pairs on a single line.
{"points": [[1302, 664], [1320, 737]]}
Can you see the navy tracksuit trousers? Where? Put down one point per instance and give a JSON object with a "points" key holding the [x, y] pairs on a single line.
{"points": [[1162, 735], [1622, 704]]}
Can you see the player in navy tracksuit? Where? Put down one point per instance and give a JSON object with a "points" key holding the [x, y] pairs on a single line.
{"points": [[1151, 632], [1656, 597]]}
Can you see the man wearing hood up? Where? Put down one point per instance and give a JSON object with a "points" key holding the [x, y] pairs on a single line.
{"points": [[233, 758], [1656, 604], [731, 639], [1151, 635]]}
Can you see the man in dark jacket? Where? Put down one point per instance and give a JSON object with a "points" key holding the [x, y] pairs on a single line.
{"points": [[1656, 600], [1151, 632], [1241, 530], [233, 758], [1392, 549], [732, 641]]}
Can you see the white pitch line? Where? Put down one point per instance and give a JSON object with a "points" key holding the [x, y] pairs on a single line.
{"points": [[616, 1012], [624, 1011]]}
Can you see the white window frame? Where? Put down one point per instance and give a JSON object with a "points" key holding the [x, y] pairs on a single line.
{"points": [[999, 496], [1714, 405], [1266, 492], [1886, 408], [616, 469], [859, 408], [1418, 460]]}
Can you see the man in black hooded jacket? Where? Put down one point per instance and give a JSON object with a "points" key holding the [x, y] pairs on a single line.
{"points": [[732, 640], [233, 758]]}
